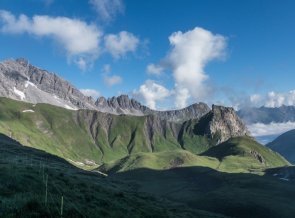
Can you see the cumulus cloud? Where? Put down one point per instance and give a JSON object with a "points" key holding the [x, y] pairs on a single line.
{"points": [[273, 99], [260, 129], [106, 68], [107, 10], [112, 80], [120, 44], [151, 93], [48, 3], [154, 69], [90, 92], [189, 53], [77, 38], [108, 78]]}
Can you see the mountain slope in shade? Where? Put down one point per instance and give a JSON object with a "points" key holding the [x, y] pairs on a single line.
{"points": [[85, 194], [20, 80], [285, 145]]}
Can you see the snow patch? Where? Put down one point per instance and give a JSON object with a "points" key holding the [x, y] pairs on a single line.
{"points": [[19, 93], [70, 108], [28, 111], [28, 83]]}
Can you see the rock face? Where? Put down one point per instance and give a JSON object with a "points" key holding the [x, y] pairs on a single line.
{"points": [[222, 123], [23, 81], [124, 105]]}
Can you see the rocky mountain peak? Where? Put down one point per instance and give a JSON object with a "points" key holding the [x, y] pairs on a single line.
{"points": [[222, 123], [22, 61]]}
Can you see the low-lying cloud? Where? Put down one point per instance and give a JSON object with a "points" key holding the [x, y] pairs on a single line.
{"points": [[261, 129], [90, 92], [273, 99]]}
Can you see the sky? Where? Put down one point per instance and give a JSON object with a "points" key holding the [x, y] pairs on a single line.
{"points": [[167, 54]]}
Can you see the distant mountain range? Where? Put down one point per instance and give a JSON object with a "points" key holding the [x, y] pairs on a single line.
{"points": [[267, 115], [22, 81]]}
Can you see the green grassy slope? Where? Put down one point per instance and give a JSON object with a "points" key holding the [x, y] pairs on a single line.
{"points": [[159, 161], [244, 154], [91, 137], [23, 173], [241, 154]]}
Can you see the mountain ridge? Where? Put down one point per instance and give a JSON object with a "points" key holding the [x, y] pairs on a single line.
{"points": [[22, 81]]}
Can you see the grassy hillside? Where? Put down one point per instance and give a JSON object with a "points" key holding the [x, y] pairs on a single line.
{"points": [[24, 173], [159, 161], [245, 154], [241, 154], [89, 138], [285, 145]]}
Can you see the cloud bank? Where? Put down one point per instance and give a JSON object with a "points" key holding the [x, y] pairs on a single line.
{"points": [[273, 99], [260, 129]]}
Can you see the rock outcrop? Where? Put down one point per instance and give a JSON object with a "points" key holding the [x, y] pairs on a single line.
{"points": [[222, 123], [23, 81]]}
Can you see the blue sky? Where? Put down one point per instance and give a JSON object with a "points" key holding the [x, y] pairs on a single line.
{"points": [[229, 52]]}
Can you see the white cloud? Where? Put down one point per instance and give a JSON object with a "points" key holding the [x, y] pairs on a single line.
{"points": [[108, 9], [106, 69], [109, 79], [120, 44], [261, 129], [48, 3], [151, 93], [112, 80], [273, 99], [90, 92], [154, 69], [189, 53], [82, 63], [76, 37]]}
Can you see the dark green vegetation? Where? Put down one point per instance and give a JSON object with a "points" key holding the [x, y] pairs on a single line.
{"points": [[232, 194], [285, 145], [156, 168], [23, 173]]}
